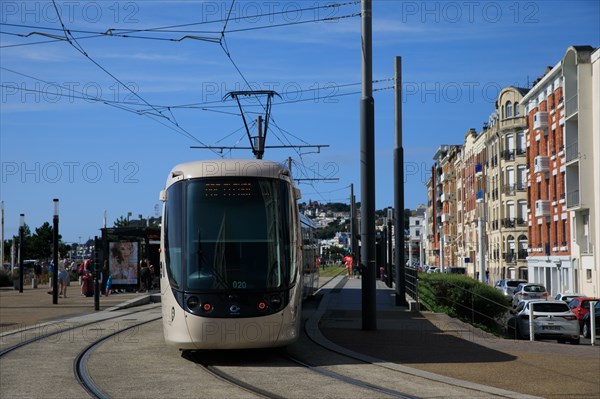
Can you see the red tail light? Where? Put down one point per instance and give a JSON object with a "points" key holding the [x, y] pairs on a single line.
{"points": [[570, 317], [207, 307], [262, 305]]}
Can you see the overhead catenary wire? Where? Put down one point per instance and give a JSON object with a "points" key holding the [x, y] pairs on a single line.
{"points": [[186, 34]]}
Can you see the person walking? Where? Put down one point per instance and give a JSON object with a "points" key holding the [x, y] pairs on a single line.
{"points": [[63, 279]]}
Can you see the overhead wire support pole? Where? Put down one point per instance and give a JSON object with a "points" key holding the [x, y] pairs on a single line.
{"points": [[367, 175], [399, 187]]}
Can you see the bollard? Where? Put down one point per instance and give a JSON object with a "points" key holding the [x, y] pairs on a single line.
{"points": [[531, 333], [593, 322], [34, 282]]}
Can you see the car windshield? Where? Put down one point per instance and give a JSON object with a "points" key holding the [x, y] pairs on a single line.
{"points": [[513, 284], [549, 307], [534, 288]]}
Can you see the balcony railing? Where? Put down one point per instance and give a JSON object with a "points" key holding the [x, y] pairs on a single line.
{"points": [[572, 198], [509, 222], [508, 155], [572, 151], [509, 189], [571, 106]]}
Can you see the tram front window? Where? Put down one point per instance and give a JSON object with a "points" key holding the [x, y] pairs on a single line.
{"points": [[238, 234]]}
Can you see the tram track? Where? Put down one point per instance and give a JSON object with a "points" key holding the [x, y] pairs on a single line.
{"points": [[80, 363], [58, 328]]}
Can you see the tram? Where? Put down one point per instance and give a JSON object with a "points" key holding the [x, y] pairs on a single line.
{"points": [[232, 264]]}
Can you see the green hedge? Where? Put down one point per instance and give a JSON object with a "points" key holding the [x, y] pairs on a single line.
{"points": [[462, 297]]}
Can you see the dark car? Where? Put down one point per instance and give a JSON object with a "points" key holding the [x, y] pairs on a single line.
{"points": [[587, 325]]}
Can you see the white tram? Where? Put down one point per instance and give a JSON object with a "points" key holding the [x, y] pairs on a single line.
{"points": [[232, 266]]}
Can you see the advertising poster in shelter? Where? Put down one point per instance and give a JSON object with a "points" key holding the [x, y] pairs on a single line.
{"points": [[123, 262]]}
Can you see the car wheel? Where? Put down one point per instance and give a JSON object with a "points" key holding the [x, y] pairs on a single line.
{"points": [[586, 330], [575, 341]]}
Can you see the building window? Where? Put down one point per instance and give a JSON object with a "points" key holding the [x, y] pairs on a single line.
{"points": [[588, 275], [509, 109], [517, 109]]}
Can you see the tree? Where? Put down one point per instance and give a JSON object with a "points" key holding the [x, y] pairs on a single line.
{"points": [[121, 222]]}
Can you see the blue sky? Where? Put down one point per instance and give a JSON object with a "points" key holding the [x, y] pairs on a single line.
{"points": [[58, 140]]}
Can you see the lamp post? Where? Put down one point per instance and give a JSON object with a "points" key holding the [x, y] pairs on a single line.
{"points": [[21, 245], [558, 264], [55, 254]]}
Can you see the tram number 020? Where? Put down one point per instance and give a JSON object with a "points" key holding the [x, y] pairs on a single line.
{"points": [[239, 284]]}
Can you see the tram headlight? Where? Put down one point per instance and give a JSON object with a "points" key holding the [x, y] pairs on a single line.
{"points": [[193, 302], [275, 301]]}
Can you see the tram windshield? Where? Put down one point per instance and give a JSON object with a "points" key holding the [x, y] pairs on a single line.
{"points": [[237, 234]]}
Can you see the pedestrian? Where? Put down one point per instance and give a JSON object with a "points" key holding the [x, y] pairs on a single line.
{"points": [[144, 275], [348, 259], [63, 279]]}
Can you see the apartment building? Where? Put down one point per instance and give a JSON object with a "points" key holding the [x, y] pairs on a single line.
{"points": [[506, 186], [441, 209], [473, 200], [581, 163]]}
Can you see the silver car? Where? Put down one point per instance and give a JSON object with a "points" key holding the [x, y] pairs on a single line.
{"points": [[507, 287], [552, 320], [526, 292]]}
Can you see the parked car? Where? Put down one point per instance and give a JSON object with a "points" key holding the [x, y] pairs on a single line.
{"points": [[580, 307], [552, 320], [525, 291], [587, 322], [456, 270], [566, 296], [507, 287], [433, 269]]}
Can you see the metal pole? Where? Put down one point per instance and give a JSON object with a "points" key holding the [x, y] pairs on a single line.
{"points": [[367, 175], [260, 146], [593, 322], [353, 225], [96, 274], [55, 254], [21, 250], [399, 187], [390, 256], [2, 235], [481, 250]]}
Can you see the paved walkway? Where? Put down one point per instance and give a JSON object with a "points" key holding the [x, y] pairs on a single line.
{"points": [[436, 343]]}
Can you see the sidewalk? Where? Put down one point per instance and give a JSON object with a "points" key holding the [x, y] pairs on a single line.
{"points": [[435, 343], [34, 305]]}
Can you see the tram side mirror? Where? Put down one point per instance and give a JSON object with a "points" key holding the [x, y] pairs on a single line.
{"points": [[298, 193], [163, 195]]}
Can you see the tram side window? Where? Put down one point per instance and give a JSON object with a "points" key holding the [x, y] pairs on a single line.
{"points": [[173, 237]]}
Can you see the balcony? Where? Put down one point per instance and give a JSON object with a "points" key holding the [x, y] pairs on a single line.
{"points": [[541, 164], [509, 223], [572, 152], [508, 155], [478, 169], [571, 106], [479, 195], [573, 198], [542, 208], [509, 189], [522, 254], [540, 120]]}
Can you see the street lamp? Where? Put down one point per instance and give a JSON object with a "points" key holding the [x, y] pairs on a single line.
{"points": [[55, 254], [558, 264], [21, 245]]}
